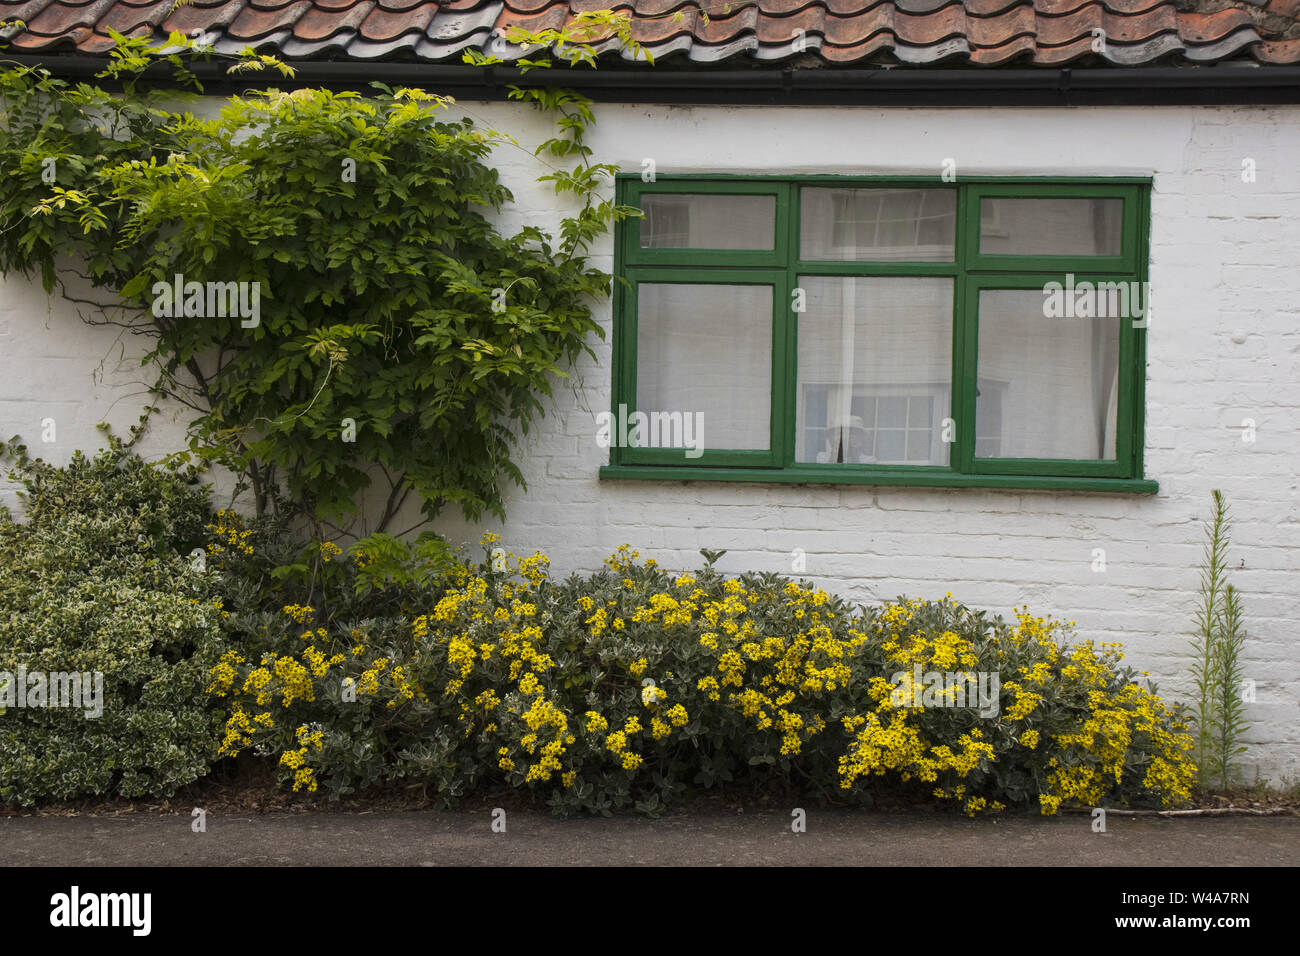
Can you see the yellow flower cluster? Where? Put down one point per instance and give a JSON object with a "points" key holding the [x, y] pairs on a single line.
{"points": [[623, 559], [224, 674], [294, 683], [534, 569], [295, 680], [617, 744], [319, 663], [1038, 631], [239, 732], [1114, 719], [878, 748], [1026, 702], [732, 666], [806, 662], [255, 683], [368, 682], [598, 621], [403, 687], [945, 651], [667, 609], [301, 613], [230, 533]]}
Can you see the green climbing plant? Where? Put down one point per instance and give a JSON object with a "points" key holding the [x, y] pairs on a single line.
{"points": [[318, 276]]}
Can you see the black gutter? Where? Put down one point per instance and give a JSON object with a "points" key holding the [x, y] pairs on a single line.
{"points": [[1245, 83]]}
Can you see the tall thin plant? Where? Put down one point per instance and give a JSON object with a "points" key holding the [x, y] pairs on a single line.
{"points": [[1217, 671]]}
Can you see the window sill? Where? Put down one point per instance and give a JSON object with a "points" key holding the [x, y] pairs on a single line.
{"points": [[867, 476]]}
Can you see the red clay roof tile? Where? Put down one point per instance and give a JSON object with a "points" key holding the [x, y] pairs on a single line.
{"points": [[872, 32], [660, 29], [851, 8], [1278, 51], [71, 40], [1020, 47], [383, 24], [551, 17], [1002, 28], [851, 31], [1065, 53], [399, 5], [318, 24], [124, 18], [253, 23], [1209, 27], [858, 51], [786, 8], [657, 8], [22, 11], [189, 18], [63, 18], [928, 30], [989, 8]]}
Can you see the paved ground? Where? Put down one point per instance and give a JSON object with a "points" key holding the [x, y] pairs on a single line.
{"points": [[713, 838]]}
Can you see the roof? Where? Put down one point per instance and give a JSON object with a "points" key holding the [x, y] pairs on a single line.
{"points": [[699, 33]]}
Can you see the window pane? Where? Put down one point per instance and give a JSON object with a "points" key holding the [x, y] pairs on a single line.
{"points": [[988, 418], [1060, 380], [682, 221], [875, 370], [879, 224], [706, 351], [1051, 227]]}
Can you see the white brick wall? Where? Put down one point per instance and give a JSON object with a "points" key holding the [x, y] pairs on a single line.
{"points": [[1222, 266]]}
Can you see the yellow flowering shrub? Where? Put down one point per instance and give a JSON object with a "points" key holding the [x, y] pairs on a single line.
{"points": [[502, 675]]}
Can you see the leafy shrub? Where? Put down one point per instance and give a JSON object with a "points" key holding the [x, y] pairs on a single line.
{"points": [[96, 578], [265, 564], [631, 687]]}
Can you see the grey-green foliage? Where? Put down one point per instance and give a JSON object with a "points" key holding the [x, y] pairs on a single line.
{"points": [[1221, 634], [96, 577]]}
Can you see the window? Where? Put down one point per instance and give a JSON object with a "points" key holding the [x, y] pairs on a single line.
{"points": [[883, 331], [893, 427]]}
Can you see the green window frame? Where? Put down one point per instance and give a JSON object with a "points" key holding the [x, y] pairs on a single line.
{"points": [[972, 272]]}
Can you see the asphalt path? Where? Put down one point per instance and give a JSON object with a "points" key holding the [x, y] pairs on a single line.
{"points": [[710, 838]]}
